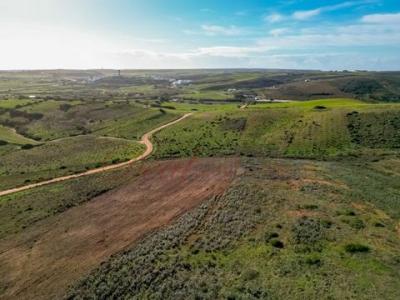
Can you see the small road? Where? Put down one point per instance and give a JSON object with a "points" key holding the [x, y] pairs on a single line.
{"points": [[145, 140]]}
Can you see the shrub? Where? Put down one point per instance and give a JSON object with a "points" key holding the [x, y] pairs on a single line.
{"points": [[27, 146], [355, 248], [169, 107], [379, 224], [116, 160], [361, 86], [307, 235], [326, 223], [277, 244], [250, 275], [346, 212], [313, 260], [357, 223], [309, 207], [307, 231], [65, 107], [271, 235], [350, 213]]}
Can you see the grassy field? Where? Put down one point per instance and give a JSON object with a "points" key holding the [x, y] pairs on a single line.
{"points": [[204, 95], [134, 126], [205, 84], [319, 129], [208, 134], [10, 136], [11, 141], [193, 107], [51, 120], [284, 230], [64, 156], [71, 136], [13, 103]]}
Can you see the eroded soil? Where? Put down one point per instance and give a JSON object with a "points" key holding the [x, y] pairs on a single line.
{"points": [[41, 262]]}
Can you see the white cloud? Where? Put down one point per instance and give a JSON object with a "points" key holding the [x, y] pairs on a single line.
{"points": [[306, 14], [274, 18], [302, 15], [207, 10], [278, 31], [230, 51], [382, 18], [221, 30], [343, 37], [242, 13], [211, 57], [33, 41]]}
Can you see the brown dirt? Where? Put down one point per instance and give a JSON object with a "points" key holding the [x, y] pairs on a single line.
{"points": [[41, 262]]}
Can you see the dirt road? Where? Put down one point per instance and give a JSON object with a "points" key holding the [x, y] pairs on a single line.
{"points": [[43, 260], [145, 140]]}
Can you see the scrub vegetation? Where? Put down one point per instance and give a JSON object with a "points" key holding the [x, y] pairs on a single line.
{"points": [[283, 230], [279, 185]]}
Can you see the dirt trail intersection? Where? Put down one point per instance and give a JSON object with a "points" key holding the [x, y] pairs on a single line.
{"points": [[145, 140]]}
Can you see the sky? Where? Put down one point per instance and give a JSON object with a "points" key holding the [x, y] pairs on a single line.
{"points": [[177, 34]]}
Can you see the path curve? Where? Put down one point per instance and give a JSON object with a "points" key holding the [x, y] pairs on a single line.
{"points": [[145, 140]]}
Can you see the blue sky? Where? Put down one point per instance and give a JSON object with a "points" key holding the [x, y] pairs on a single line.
{"points": [[328, 35]]}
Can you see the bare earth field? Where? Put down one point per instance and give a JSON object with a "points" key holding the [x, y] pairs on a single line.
{"points": [[43, 261]]}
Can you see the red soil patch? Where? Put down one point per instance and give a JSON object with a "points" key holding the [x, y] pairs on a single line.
{"points": [[41, 262]]}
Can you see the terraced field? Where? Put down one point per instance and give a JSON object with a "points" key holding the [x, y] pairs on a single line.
{"points": [[319, 129]]}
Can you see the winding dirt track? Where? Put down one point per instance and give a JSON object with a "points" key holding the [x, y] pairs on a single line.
{"points": [[145, 140]]}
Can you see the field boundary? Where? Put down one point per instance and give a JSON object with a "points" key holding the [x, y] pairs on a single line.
{"points": [[145, 140]]}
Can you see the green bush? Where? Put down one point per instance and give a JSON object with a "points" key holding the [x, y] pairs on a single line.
{"points": [[309, 206], [355, 248], [250, 275], [307, 231], [27, 146], [116, 161], [271, 235], [313, 260], [277, 244], [357, 223]]}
